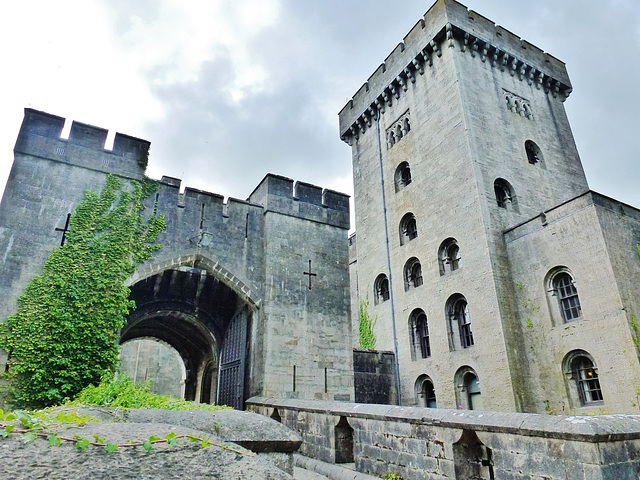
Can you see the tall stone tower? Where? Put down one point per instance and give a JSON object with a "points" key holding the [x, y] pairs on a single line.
{"points": [[458, 139]]}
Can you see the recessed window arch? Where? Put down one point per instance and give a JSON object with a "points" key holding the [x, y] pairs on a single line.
{"points": [[581, 374], [381, 289], [505, 195], [412, 274], [449, 256], [460, 333], [425, 392], [534, 154], [406, 126], [564, 301], [403, 176], [408, 228], [419, 334], [468, 393]]}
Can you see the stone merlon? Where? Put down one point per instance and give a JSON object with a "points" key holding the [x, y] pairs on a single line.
{"points": [[282, 195]]}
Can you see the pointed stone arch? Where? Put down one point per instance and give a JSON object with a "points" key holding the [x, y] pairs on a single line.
{"points": [[198, 260], [203, 311]]}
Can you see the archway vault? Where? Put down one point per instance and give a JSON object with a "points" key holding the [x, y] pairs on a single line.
{"points": [[198, 308], [197, 260]]}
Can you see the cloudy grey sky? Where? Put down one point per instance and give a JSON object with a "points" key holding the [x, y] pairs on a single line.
{"points": [[228, 90]]}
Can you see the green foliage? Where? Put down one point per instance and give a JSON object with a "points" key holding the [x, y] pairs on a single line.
{"points": [[64, 335], [121, 391], [366, 336], [392, 476]]}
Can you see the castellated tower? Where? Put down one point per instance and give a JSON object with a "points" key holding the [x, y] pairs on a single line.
{"points": [[490, 266]]}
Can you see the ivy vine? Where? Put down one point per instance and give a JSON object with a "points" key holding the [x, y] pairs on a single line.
{"points": [[64, 334], [366, 335]]}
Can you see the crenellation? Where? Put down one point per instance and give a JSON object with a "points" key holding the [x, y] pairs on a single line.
{"points": [[412, 39], [449, 22], [335, 200], [88, 136], [135, 148], [41, 123], [172, 181], [305, 192], [40, 136]]}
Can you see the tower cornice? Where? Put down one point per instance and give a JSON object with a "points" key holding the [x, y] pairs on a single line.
{"points": [[449, 24]]}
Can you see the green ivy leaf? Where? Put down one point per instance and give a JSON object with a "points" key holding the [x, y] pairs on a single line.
{"points": [[147, 445], [29, 437], [54, 440], [82, 444], [111, 447], [7, 430], [153, 438], [98, 439]]}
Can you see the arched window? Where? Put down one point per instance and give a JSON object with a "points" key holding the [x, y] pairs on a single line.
{"points": [[402, 176], [468, 394], [406, 127], [582, 375], [449, 256], [534, 154], [399, 133], [419, 334], [459, 322], [429, 393], [391, 139], [425, 392], [408, 228], [560, 284], [412, 274], [472, 385], [505, 198], [381, 289]]}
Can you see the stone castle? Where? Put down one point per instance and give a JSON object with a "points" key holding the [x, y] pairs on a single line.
{"points": [[498, 279]]}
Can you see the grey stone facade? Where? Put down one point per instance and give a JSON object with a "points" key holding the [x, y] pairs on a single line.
{"points": [[228, 285], [497, 277]]}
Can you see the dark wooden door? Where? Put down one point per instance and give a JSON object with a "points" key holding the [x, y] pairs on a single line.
{"points": [[232, 362]]}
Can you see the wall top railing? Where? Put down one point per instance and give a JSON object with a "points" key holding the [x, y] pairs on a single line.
{"points": [[592, 429]]}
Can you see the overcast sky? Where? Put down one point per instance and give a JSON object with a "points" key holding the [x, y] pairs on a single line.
{"points": [[228, 90]]}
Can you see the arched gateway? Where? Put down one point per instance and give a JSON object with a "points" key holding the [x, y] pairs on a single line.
{"points": [[253, 295], [204, 320]]}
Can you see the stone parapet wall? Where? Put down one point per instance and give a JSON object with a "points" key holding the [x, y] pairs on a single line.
{"points": [[460, 444]]}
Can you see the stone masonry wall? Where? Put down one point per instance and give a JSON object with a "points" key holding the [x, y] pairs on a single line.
{"points": [[444, 444], [258, 248], [597, 244]]}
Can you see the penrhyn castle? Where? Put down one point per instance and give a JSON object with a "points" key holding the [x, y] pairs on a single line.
{"points": [[498, 279]]}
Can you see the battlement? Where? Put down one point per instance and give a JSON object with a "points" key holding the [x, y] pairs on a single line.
{"points": [[451, 23], [283, 195], [40, 136]]}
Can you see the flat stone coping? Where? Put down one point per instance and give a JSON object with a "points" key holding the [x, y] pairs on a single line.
{"points": [[593, 429]]}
